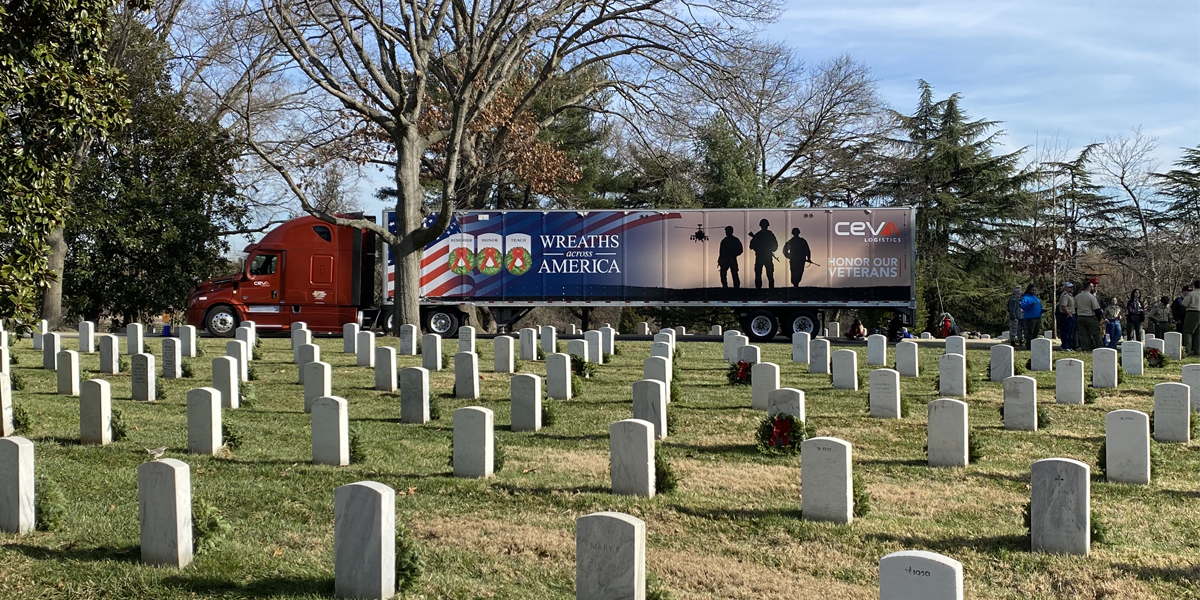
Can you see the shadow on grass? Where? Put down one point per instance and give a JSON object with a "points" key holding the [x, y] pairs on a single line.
{"points": [[270, 587], [988, 544], [1185, 576], [541, 490], [1184, 494], [736, 449], [894, 462], [733, 408], [75, 552], [573, 438], [734, 514], [1001, 477]]}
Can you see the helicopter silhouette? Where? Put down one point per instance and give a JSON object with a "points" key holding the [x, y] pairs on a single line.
{"points": [[699, 235]]}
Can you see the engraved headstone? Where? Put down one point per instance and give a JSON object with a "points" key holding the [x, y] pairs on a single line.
{"points": [[87, 337], [826, 480], [800, 341], [330, 432], [525, 395], [643, 328], [172, 367], [579, 349], [920, 575], [502, 351], [845, 370], [134, 334], [68, 373], [95, 412], [876, 350], [528, 343], [408, 340], [650, 405], [1001, 363], [558, 376], [658, 369], [414, 395], [364, 349], [948, 434], [1132, 357], [1127, 447], [595, 346], [431, 352], [714, 330], [237, 350], [786, 401], [750, 354], [1159, 344], [1041, 355], [165, 512], [1068, 381], [764, 379], [203, 421], [364, 541], [907, 359], [631, 457], [350, 338], [925, 335], [549, 339], [145, 384], [610, 557], [608, 339], [466, 375], [833, 330], [952, 375], [1172, 412], [818, 357], [51, 346], [300, 334], [473, 442], [1191, 378], [956, 344], [39, 335], [1174, 344], [665, 338], [466, 339], [17, 513], [385, 369], [1104, 368], [884, 393], [246, 334], [733, 345], [317, 382], [1060, 511], [1020, 403], [187, 341]]}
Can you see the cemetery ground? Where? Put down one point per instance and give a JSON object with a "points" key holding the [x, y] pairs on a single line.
{"points": [[732, 529]]}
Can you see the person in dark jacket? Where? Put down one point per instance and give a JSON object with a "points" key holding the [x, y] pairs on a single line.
{"points": [[1178, 312], [1135, 314], [1014, 317], [1031, 314], [1160, 316]]}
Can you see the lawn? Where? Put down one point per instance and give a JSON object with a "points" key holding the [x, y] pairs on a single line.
{"points": [[731, 530]]}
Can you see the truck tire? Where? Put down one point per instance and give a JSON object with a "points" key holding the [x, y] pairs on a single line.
{"points": [[221, 321], [800, 321], [442, 321], [760, 325]]}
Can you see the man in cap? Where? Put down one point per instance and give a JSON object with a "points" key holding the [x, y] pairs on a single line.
{"points": [[1087, 318], [1066, 316], [1014, 317]]}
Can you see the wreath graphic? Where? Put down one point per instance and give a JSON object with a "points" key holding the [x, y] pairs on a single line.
{"points": [[518, 261], [461, 261], [488, 260]]}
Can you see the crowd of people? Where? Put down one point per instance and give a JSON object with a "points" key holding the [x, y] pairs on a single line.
{"points": [[1086, 321]]}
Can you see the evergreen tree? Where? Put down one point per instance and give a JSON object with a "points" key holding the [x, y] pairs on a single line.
{"points": [[1182, 186]]}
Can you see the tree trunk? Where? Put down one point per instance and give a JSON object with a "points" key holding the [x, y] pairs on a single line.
{"points": [[52, 300], [409, 199]]}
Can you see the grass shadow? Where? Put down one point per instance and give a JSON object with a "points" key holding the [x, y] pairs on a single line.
{"points": [[271, 587], [1183, 494], [894, 462], [1184, 576], [542, 490], [742, 449], [75, 552], [986, 544], [734, 514], [574, 438], [1000, 477]]}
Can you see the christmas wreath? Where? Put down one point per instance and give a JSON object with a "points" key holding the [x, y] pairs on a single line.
{"points": [[489, 260], [461, 261], [781, 435], [739, 374], [517, 261], [1156, 358]]}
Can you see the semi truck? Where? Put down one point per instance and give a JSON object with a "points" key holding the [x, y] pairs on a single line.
{"points": [[779, 270]]}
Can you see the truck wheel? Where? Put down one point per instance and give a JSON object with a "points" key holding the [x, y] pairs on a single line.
{"points": [[441, 321], [761, 326], [221, 321], [800, 321]]}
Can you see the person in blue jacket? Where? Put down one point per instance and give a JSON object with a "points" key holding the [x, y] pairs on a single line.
{"points": [[1031, 314]]}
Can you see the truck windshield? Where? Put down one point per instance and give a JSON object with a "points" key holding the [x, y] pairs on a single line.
{"points": [[263, 264]]}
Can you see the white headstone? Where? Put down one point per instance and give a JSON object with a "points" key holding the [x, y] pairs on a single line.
{"points": [[665, 338], [956, 344], [317, 382], [571, 329], [39, 335], [528, 343], [845, 370], [473, 442], [5, 364], [926, 336], [1041, 355], [985, 336], [952, 375], [225, 380], [1104, 368], [1172, 412], [7, 427], [385, 369], [408, 340], [110, 355], [833, 330], [948, 433], [95, 412], [908, 359], [920, 575], [204, 421], [414, 395], [172, 367], [800, 342], [610, 557], [650, 405], [238, 350], [558, 376], [68, 373], [165, 512], [1127, 447], [330, 432], [364, 349], [750, 354], [608, 339], [364, 541], [876, 350], [502, 354], [658, 369], [631, 457], [525, 397], [466, 375], [1001, 363], [786, 401], [87, 337], [595, 346], [252, 341], [680, 330], [714, 330], [662, 349], [350, 338], [764, 379], [579, 349], [1068, 381], [298, 337], [818, 357], [1020, 403], [431, 352], [187, 340], [51, 346], [1191, 378], [549, 339], [1060, 511], [466, 339], [1132, 357], [826, 480], [884, 393], [733, 345], [145, 384], [1174, 344], [643, 328], [17, 513], [134, 333], [246, 334], [1149, 336], [1159, 344]]}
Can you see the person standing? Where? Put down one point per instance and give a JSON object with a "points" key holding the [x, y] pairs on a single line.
{"points": [[1014, 317], [1066, 316], [1135, 315], [727, 260], [797, 252], [1177, 309], [1087, 318], [1031, 314], [764, 246], [1191, 320], [1160, 316], [1112, 323]]}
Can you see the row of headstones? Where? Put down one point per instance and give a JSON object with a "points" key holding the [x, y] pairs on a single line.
{"points": [[89, 341]]}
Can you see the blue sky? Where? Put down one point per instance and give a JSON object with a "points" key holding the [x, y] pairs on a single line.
{"points": [[1078, 70]]}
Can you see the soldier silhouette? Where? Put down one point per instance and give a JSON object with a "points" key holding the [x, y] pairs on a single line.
{"points": [[798, 254], [764, 246], [727, 260]]}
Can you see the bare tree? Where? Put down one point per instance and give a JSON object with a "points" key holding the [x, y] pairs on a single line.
{"points": [[1126, 164], [413, 77]]}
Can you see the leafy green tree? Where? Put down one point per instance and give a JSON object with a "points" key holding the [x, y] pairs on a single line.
{"points": [[728, 171], [1181, 186], [58, 93], [152, 202]]}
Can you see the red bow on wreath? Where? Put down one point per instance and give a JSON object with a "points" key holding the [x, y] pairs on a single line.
{"points": [[781, 432], [460, 258], [518, 257], [489, 256], [742, 368]]}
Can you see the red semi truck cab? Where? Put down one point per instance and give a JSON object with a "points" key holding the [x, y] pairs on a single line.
{"points": [[303, 270]]}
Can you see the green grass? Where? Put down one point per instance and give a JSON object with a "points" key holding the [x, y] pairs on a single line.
{"points": [[730, 529]]}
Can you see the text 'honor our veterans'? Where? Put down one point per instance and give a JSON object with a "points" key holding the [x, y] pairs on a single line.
{"points": [[579, 254]]}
